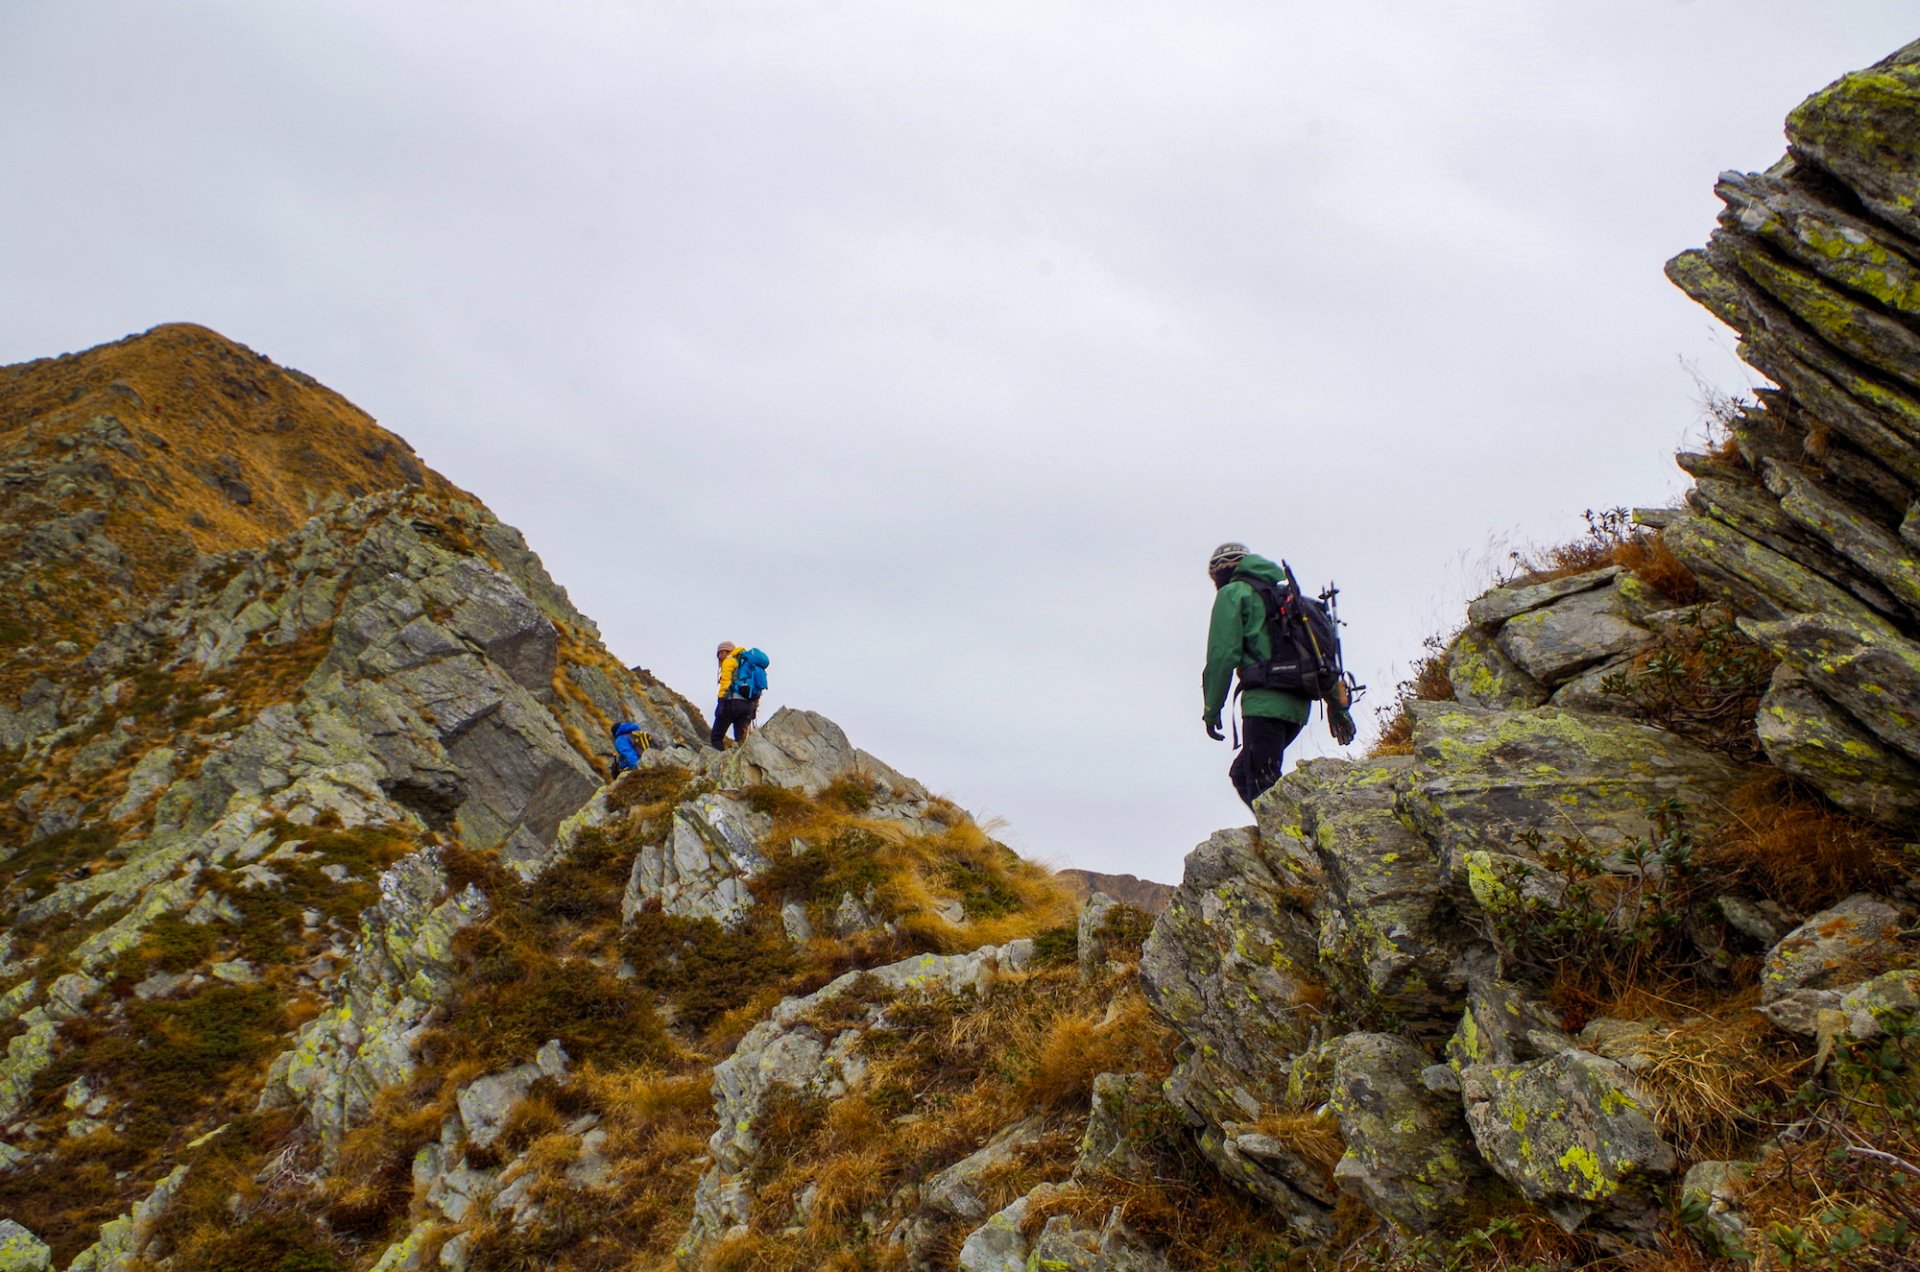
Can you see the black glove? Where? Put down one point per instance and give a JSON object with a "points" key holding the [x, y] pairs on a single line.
{"points": [[1213, 728], [1341, 725]]}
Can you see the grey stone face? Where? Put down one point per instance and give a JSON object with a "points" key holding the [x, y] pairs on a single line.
{"points": [[1555, 643], [703, 870], [1409, 1157]]}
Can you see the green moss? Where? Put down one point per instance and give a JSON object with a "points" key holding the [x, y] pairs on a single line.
{"points": [[700, 968], [516, 995]]}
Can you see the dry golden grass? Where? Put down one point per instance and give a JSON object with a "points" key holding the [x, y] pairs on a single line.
{"points": [[1795, 848], [1706, 1072], [194, 403]]}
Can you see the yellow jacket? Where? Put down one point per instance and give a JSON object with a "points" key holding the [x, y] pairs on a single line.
{"points": [[728, 666]]}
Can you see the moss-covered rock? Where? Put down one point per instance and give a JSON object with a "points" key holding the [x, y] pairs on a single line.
{"points": [[1572, 1134], [1408, 1155]]}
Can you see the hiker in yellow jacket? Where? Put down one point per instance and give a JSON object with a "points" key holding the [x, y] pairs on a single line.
{"points": [[743, 678]]}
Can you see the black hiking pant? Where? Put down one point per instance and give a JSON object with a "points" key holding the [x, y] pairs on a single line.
{"points": [[1264, 745], [732, 713]]}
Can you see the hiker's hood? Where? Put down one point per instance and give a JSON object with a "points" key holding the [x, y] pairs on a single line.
{"points": [[1254, 566]]}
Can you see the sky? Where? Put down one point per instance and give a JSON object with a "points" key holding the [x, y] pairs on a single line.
{"points": [[932, 347]]}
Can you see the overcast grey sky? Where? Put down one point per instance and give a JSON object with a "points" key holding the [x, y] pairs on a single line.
{"points": [[932, 347]]}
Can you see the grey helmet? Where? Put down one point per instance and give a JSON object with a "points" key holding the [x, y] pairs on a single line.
{"points": [[1226, 556]]}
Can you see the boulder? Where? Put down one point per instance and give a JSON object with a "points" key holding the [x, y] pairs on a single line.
{"points": [[1232, 965], [1813, 966], [1867, 1006], [1858, 662], [1503, 603], [21, 1251], [1712, 1190], [1091, 946], [1557, 642], [1860, 128], [1110, 1145], [1388, 931], [803, 750], [1490, 782], [1571, 1134], [1483, 676], [1062, 1244]]}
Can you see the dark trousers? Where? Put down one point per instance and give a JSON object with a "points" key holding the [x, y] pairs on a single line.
{"points": [[735, 714], [1258, 765]]}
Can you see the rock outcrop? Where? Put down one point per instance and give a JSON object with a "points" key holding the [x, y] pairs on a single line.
{"points": [[1808, 527]]}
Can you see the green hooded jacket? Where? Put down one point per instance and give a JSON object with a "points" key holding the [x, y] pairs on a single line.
{"points": [[1237, 633]]}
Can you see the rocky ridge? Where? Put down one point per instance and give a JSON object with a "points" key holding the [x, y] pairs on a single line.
{"points": [[328, 946]]}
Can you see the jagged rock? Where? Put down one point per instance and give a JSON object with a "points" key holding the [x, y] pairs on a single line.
{"points": [[1092, 948], [235, 972], [122, 1240], [1503, 603], [1557, 642], [1877, 551], [702, 871], [803, 750], [1502, 1026], [1000, 1246], [1112, 1247], [1806, 735], [1388, 931], [1860, 129], [1811, 969], [401, 967], [1482, 676], [1110, 1145], [1758, 580], [1232, 965], [1571, 1134], [956, 1190], [852, 917], [788, 1050], [31, 1049], [21, 1251], [1872, 672], [1588, 691], [1408, 1156]]}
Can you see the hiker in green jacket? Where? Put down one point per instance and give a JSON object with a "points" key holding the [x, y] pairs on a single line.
{"points": [[1236, 635]]}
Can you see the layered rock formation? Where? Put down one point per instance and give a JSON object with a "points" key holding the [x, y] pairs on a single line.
{"points": [[1809, 525]]}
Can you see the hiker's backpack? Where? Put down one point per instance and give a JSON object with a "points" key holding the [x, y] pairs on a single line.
{"points": [[1305, 640], [750, 674]]}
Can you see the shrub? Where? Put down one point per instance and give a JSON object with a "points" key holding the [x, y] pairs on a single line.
{"points": [[1428, 683], [1701, 679]]}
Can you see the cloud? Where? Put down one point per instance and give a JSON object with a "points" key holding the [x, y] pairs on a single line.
{"points": [[931, 347]]}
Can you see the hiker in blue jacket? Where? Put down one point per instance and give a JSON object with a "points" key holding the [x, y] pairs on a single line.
{"points": [[629, 740]]}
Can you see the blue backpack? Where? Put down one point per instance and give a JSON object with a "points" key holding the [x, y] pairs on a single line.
{"points": [[749, 674]]}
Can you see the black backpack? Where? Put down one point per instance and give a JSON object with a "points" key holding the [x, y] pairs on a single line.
{"points": [[1305, 638]]}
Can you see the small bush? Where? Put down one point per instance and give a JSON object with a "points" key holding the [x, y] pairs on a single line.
{"points": [[1702, 679]]}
